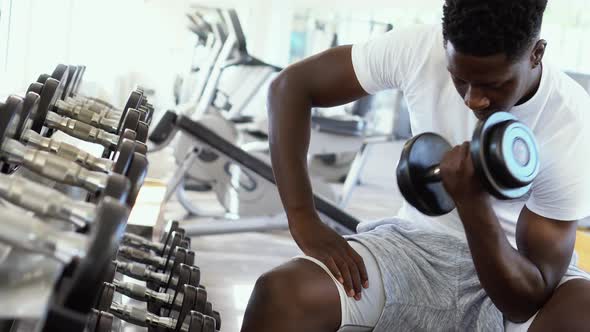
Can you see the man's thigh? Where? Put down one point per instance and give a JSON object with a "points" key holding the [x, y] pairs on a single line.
{"points": [[567, 310], [362, 315]]}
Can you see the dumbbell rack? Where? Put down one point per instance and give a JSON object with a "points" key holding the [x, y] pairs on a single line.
{"points": [[45, 272], [84, 232]]}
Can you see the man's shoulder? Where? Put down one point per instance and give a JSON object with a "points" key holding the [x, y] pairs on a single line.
{"points": [[570, 99]]}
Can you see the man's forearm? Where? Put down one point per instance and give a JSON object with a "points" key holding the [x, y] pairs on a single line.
{"points": [[289, 121], [514, 283]]}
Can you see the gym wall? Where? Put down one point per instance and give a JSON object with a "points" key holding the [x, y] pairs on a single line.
{"points": [[126, 42]]}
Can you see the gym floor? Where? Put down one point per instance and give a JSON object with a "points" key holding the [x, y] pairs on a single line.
{"points": [[230, 264]]}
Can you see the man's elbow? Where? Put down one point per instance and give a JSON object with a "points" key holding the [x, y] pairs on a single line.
{"points": [[285, 86], [530, 300], [519, 315]]}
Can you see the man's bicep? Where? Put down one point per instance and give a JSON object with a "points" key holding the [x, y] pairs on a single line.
{"points": [[329, 77], [547, 243]]}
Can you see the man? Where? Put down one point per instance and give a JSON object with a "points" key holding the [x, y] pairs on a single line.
{"points": [[489, 264]]}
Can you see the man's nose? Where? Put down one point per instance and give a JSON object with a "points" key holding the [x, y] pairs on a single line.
{"points": [[476, 100]]}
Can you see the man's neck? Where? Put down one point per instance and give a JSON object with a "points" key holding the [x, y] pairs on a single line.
{"points": [[534, 86]]}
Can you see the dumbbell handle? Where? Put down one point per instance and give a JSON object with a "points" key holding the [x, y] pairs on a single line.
{"points": [[52, 166], [82, 130], [106, 112], [97, 103], [141, 243], [67, 151], [142, 293], [432, 174], [140, 316], [45, 201], [141, 272], [83, 114], [142, 257], [29, 233]]}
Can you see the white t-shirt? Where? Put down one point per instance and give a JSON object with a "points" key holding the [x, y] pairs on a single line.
{"points": [[414, 61]]}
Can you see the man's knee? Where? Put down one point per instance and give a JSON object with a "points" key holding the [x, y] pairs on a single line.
{"points": [[298, 289], [282, 291]]}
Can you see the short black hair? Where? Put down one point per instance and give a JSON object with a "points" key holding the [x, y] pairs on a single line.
{"points": [[489, 27]]}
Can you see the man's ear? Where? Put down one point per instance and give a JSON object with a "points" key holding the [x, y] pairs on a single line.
{"points": [[538, 52]]}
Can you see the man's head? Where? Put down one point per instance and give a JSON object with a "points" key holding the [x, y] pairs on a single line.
{"points": [[493, 51]]}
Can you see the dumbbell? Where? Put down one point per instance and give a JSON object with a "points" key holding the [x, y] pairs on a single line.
{"points": [[140, 256], [139, 242], [128, 162], [97, 105], [92, 106], [48, 165], [89, 111], [159, 248], [141, 317], [180, 274], [142, 272], [47, 202], [158, 262], [504, 153], [169, 300], [81, 130], [65, 150], [167, 278], [50, 92], [95, 250], [99, 321], [84, 256]]}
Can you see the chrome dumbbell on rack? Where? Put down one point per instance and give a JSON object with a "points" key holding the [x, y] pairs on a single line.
{"points": [[45, 164], [97, 114]]}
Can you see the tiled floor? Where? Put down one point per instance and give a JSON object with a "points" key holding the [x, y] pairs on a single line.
{"points": [[230, 264]]}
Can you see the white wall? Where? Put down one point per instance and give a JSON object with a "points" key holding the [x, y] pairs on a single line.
{"points": [[126, 42]]}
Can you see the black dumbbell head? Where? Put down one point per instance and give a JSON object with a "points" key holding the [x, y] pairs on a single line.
{"points": [[419, 155], [60, 72], [11, 117], [69, 84], [142, 132], [123, 157], [180, 258], [141, 148], [23, 119], [49, 93], [184, 274], [505, 155], [136, 175], [209, 324], [188, 303], [29, 111], [172, 240], [129, 121], [104, 239], [196, 322], [105, 322], [117, 187], [195, 278], [129, 134], [42, 78], [82, 70], [105, 297], [134, 101], [201, 302], [217, 316], [190, 257]]}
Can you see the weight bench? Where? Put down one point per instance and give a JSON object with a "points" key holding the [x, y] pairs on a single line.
{"points": [[329, 213]]}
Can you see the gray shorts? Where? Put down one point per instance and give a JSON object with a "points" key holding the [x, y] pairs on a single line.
{"points": [[421, 281]]}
